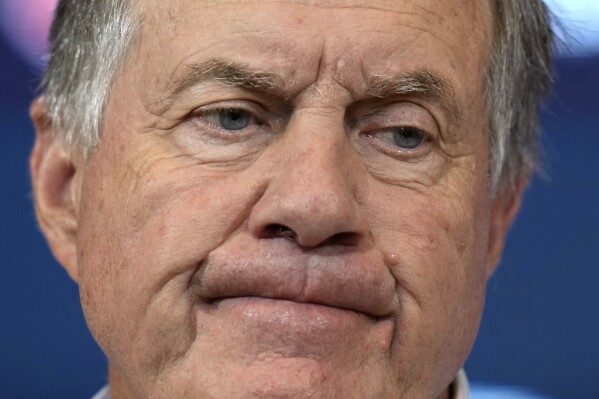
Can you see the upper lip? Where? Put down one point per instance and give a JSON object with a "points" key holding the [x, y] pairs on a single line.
{"points": [[349, 280]]}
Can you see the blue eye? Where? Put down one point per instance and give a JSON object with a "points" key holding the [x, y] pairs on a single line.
{"points": [[234, 118], [408, 137]]}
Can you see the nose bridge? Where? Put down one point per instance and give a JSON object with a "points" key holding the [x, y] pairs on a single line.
{"points": [[317, 153], [312, 190]]}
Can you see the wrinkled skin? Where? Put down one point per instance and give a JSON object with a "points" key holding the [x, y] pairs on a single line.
{"points": [[310, 253]]}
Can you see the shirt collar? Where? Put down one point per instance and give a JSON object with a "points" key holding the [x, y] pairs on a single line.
{"points": [[104, 393], [461, 387]]}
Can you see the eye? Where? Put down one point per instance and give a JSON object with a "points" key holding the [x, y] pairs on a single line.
{"points": [[408, 137], [231, 119], [400, 137]]}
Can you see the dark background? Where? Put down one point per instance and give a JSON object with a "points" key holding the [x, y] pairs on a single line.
{"points": [[541, 322]]}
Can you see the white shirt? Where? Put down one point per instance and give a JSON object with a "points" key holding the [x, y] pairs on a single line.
{"points": [[104, 393], [461, 388]]}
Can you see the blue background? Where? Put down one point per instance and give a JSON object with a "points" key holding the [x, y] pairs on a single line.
{"points": [[541, 325]]}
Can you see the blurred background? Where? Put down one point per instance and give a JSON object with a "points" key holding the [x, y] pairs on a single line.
{"points": [[540, 331]]}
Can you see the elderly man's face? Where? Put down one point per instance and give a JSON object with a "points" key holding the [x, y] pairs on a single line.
{"points": [[289, 200]]}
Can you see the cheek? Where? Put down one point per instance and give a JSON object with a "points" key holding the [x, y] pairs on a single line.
{"points": [[436, 247], [146, 232], [439, 253]]}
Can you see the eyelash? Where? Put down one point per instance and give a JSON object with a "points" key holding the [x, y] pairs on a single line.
{"points": [[204, 115], [395, 151]]}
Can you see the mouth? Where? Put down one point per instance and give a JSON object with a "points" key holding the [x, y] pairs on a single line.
{"points": [[297, 329], [352, 284], [272, 298], [302, 309]]}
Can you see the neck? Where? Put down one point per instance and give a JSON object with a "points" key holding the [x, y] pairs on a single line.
{"points": [[119, 389], [446, 394]]}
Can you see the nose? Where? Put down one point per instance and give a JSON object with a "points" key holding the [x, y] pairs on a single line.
{"points": [[310, 197]]}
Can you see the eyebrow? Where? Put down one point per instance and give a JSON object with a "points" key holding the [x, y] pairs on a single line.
{"points": [[230, 74], [423, 83]]}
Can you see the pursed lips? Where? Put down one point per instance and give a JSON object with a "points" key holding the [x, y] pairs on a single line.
{"points": [[348, 280]]}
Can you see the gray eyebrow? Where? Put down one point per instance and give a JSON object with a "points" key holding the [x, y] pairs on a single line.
{"points": [[230, 74], [423, 83]]}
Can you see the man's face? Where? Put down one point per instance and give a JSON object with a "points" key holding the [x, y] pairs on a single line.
{"points": [[290, 200]]}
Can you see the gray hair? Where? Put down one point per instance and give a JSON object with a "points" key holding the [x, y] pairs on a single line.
{"points": [[90, 40], [519, 76]]}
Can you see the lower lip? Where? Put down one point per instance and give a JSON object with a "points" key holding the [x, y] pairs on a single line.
{"points": [[295, 326]]}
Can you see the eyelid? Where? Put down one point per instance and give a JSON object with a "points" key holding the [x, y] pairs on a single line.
{"points": [[257, 112], [246, 105], [395, 114], [403, 154], [209, 131], [382, 119]]}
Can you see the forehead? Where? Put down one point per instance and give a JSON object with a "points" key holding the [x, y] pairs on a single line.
{"points": [[447, 9], [373, 37]]}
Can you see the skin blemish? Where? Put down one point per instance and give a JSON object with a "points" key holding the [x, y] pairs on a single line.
{"points": [[392, 259]]}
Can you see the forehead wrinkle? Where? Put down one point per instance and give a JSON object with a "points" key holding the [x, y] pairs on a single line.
{"points": [[386, 6]]}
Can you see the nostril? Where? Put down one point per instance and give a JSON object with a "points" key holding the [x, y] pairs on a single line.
{"points": [[342, 239], [280, 231], [345, 239]]}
